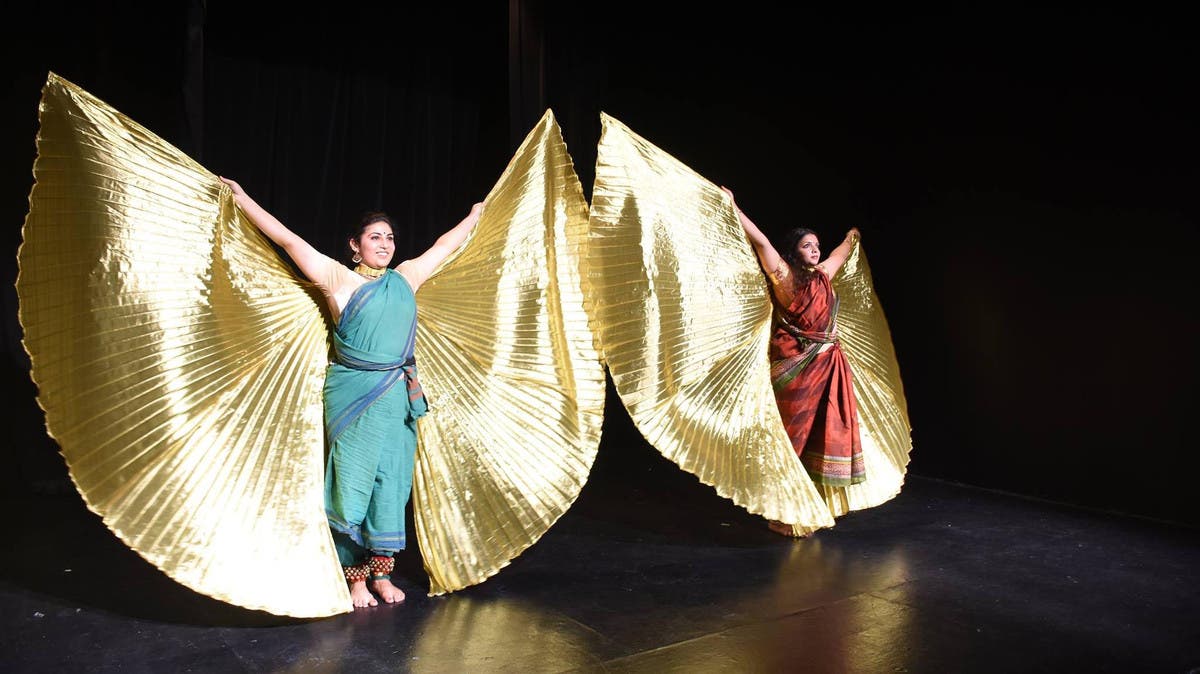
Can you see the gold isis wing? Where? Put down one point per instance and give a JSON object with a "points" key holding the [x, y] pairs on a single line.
{"points": [[883, 422], [179, 362], [684, 318], [513, 375]]}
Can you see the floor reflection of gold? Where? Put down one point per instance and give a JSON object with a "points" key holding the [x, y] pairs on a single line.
{"points": [[819, 571], [821, 593], [462, 634], [824, 611], [456, 634]]}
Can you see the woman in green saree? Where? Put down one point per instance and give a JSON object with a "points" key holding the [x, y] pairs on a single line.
{"points": [[372, 395]]}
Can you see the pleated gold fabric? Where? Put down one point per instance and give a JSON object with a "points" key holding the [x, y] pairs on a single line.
{"points": [[511, 370], [883, 420], [684, 316], [179, 362]]}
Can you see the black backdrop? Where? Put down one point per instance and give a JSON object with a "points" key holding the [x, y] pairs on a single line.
{"points": [[1024, 180]]}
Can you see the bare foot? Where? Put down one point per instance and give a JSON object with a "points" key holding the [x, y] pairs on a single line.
{"points": [[360, 595], [386, 591], [780, 528], [787, 530]]}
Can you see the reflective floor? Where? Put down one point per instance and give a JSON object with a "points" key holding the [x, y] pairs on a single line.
{"points": [[652, 572]]}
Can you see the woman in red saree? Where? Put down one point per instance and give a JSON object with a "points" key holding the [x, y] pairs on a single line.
{"points": [[811, 377]]}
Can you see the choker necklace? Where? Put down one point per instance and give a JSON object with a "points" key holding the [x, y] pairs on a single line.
{"points": [[369, 272]]}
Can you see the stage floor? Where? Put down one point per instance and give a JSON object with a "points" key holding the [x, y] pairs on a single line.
{"points": [[655, 573]]}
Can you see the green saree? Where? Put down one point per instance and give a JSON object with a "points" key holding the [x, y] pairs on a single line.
{"points": [[372, 403]]}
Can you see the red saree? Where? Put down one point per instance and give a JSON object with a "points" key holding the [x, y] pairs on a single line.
{"points": [[812, 381]]}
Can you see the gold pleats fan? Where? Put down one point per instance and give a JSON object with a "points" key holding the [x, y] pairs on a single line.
{"points": [[179, 363], [684, 317], [883, 422], [513, 376]]}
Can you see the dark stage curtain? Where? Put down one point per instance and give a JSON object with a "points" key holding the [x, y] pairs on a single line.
{"points": [[324, 114]]}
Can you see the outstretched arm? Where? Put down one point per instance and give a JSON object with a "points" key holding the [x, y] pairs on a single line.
{"points": [[768, 257], [307, 258], [837, 256], [420, 268]]}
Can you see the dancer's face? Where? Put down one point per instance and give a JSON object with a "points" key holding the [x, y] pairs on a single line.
{"points": [[809, 249], [377, 245]]}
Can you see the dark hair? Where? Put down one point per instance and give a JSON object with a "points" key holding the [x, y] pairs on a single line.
{"points": [[790, 241], [368, 218]]}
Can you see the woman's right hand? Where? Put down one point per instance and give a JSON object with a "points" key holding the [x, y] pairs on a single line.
{"points": [[234, 186], [728, 191]]}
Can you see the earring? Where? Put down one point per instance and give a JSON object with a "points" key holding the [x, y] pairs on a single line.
{"points": [[357, 258]]}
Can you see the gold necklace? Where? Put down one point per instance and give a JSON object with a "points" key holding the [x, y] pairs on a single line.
{"points": [[369, 272]]}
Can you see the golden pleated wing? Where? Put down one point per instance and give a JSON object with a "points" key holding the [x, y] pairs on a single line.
{"points": [[513, 377], [684, 317], [882, 409], [178, 360]]}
